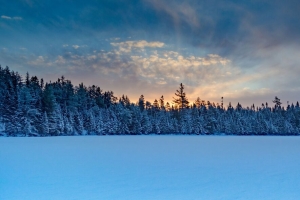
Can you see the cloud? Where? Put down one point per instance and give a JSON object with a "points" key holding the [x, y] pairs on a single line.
{"points": [[144, 71], [158, 70], [17, 18], [60, 60], [155, 72], [178, 11], [5, 17], [173, 67], [75, 46], [127, 46], [40, 61], [11, 18], [154, 68]]}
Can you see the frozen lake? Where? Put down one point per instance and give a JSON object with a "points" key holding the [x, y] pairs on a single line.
{"points": [[150, 167]]}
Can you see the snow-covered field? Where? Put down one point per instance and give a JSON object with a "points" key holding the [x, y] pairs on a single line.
{"points": [[150, 167]]}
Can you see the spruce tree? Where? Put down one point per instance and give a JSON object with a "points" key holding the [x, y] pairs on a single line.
{"points": [[141, 103], [181, 101], [277, 102], [162, 102]]}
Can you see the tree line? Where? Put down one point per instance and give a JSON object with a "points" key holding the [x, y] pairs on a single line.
{"points": [[31, 107]]}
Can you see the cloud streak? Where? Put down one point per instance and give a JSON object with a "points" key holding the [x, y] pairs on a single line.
{"points": [[128, 46], [10, 18]]}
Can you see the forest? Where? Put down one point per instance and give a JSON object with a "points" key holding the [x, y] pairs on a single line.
{"points": [[31, 107]]}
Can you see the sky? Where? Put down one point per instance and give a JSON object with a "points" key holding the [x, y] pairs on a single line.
{"points": [[244, 51]]}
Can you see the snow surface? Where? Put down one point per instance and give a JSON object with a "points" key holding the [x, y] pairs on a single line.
{"points": [[150, 167]]}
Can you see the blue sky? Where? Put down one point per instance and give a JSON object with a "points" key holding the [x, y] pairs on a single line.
{"points": [[246, 51]]}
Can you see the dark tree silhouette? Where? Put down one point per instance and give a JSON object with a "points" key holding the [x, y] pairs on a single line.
{"points": [[181, 99]]}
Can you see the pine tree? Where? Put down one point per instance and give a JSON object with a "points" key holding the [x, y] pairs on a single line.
{"points": [[141, 103], [31, 108], [155, 105], [181, 99], [78, 124], [136, 127], [48, 99], [167, 107], [197, 102], [146, 125], [100, 124], [162, 102], [124, 117], [277, 102], [90, 122]]}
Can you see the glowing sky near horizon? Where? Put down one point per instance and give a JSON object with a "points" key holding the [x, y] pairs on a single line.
{"points": [[245, 51]]}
